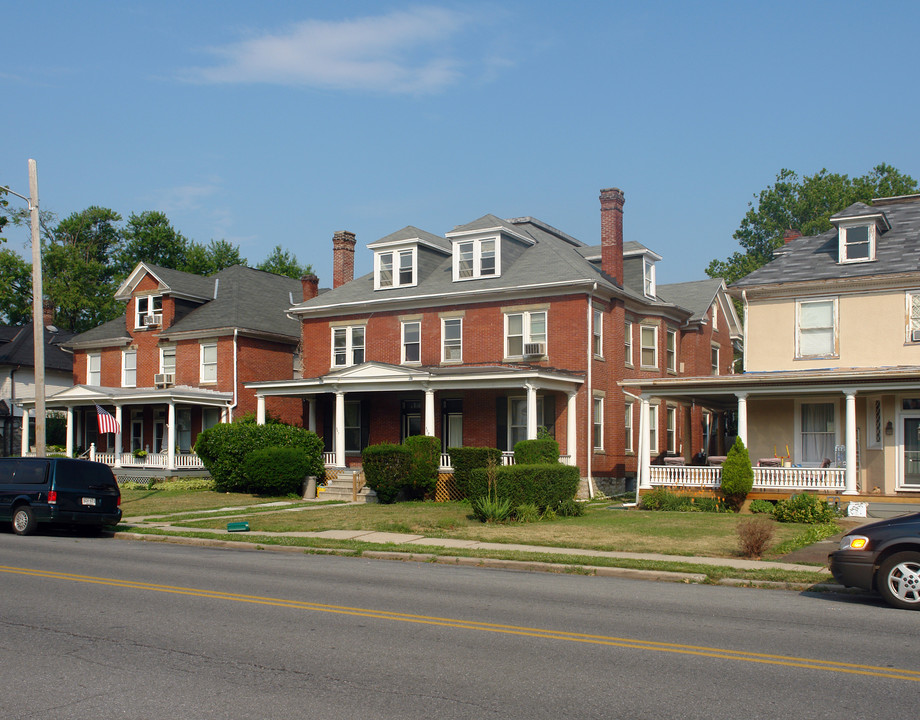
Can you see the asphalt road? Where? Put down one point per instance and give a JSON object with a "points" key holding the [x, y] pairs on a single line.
{"points": [[104, 628]]}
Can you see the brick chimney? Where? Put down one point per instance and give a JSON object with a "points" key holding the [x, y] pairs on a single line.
{"points": [[790, 235], [343, 258], [612, 201], [47, 312], [310, 285]]}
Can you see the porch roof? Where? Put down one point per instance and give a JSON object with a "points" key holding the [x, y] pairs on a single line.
{"points": [[91, 394], [721, 387], [376, 376]]}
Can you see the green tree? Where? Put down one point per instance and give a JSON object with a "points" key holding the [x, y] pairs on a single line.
{"points": [[80, 268], [737, 475], [806, 205], [149, 237], [211, 258], [4, 204], [15, 288], [283, 262]]}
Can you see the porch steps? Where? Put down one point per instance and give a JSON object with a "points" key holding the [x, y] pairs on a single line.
{"points": [[340, 486]]}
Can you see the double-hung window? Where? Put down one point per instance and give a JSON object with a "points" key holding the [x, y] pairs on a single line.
{"points": [[648, 275], [598, 423], [671, 350], [451, 339], [168, 359], [411, 342], [476, 258], [149, 311], [628, 350], [598, 339], [525, 333], [395, 268], [714, 359], [628, 427], [818, 432], [857, 243], [648, 346], [94, 369], [653, 429], [671, 429], [816, 328], [347, 345], [129, 368], [208, 371], [913, 316]]}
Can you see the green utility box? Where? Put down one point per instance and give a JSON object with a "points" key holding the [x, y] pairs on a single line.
{"points": [[238, 527]]}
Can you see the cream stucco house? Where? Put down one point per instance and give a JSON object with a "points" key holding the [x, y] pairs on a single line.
{"points": [[829, 399]]}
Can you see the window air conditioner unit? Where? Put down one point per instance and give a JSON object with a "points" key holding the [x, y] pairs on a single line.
{"points": [[915, 335], [534, 349], [163, 379], [152, 320]]}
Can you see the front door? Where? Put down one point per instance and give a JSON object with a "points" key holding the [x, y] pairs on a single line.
{"points": [[911, 458]]}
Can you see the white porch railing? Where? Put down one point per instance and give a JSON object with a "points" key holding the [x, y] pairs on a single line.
{"points": [[152, 461], [446, 463], [765, 478]]}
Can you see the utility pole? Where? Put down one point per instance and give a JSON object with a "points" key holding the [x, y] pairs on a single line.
{"points": [[38, 322]]}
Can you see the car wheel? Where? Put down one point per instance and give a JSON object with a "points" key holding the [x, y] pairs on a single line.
{"points": [[24, 520], [899, 580]]}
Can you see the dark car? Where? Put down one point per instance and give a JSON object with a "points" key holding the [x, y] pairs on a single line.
{"points": [[884, 557], [57, 490]]}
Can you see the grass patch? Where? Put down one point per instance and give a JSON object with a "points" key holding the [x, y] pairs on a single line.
{"points": [[151, 501]]}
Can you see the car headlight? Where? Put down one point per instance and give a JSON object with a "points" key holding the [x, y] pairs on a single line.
{"points": [[854, 542]]}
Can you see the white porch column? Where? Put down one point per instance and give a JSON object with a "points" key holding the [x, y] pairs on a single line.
{"points": [[531, 411], [742, 417], [25, 431], [339, 437], [171, 436], [311, 415], [429, 412], [643, 472], [69, 431], [850, 439], [118, 437], [260, 409], [571, 433]]}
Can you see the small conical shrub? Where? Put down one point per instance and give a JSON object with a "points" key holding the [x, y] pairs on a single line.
{"points": [[737, 475]]}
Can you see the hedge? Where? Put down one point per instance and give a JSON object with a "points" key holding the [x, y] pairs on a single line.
{"points": [[466, 459], [276, 470], [542, 485], [386, 469], [533, 452], [426, 459], [223, 450]]}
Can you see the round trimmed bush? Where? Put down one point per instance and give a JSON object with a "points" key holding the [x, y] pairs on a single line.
{"points": [[276, 470]]}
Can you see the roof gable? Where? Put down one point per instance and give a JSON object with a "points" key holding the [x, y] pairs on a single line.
{"points": [[173, 282]]}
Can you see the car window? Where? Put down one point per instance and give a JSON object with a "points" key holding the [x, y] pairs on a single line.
{"points": [[23, 472], [80, 474]]}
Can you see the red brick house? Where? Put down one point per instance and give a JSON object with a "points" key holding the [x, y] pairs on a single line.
{"points": [[498, 329], [178, 362]]}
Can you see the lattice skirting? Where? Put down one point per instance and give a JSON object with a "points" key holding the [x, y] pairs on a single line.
{"points": [[447, 489]]}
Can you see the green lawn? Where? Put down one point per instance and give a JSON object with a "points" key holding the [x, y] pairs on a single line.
{"points": [[602, 528]]}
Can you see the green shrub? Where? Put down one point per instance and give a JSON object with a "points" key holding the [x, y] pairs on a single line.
{"points": [[661, 499], [426, 459], [466, 459], [224, 447], [386, 468], [737, 475], [570, 508], [491, 509], [761, 507], [804, 508], [528, 512], [276, 470], [543, 485], [709, 504], [534, 452]]}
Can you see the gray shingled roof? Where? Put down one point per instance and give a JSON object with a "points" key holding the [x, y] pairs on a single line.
{"points": [[184, 283], [110, 331], [20, 349], [410, 232], [815, 257], [696, 297]]}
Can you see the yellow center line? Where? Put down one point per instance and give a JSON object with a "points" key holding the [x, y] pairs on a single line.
{"points": [[631, 643]]}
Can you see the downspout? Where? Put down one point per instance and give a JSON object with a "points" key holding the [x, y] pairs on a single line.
{"points": [[235, 371], [639, 458], [589, 450]]}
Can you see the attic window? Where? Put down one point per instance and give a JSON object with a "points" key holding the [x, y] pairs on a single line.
{"points": [[395, 269], [648, 277], [476, 258], [857, 243], [149, 311]]}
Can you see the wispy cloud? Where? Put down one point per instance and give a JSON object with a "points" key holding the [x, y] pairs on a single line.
{"points": [[400, 52]]}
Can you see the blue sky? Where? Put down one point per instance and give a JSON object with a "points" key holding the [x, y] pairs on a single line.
{"points": [[282, 122]]}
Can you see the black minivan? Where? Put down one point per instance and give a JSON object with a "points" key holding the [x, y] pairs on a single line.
{"points": [[57, 490]]}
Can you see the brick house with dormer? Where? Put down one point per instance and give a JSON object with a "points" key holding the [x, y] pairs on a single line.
{"points": [[178, 362], [500, 328]]}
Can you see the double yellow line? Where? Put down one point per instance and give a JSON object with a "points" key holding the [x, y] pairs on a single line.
{"points": [[631, 643]]}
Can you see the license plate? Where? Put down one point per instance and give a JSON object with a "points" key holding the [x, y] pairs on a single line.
{"points": [[88, 501]]}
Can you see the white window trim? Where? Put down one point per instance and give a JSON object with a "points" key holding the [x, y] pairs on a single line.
{"points": [[444, 321], [628, 344], [130, 352], [648, 278], [670, 353], [653, 429], [842, 242], [89, 368], [477, 258], [402, 342], [908, 312], [138, 324], [628, 424], [349, 346], [202, 364], [797, 425], [396, 254], [163, 350], [671, 429], [597, 339], [597, 421], [525, 330], [654, 346], [798, 327], [715, 368]]}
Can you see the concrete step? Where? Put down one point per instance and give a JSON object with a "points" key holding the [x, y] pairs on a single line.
{"points": [[341, 488]]}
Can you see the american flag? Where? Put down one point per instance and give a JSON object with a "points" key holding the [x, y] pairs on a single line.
{"points": [[107, 424]]}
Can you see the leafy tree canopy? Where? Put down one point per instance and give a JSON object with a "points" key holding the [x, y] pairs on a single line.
{"points": [[283, 262], [211, 258], [806, 205], [149, 237], [15, 288]]}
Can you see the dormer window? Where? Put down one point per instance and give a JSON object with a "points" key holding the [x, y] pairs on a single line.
{"points": [[395, 268], [149, 311], [476, 259], [857, 243], [648, 277]]}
